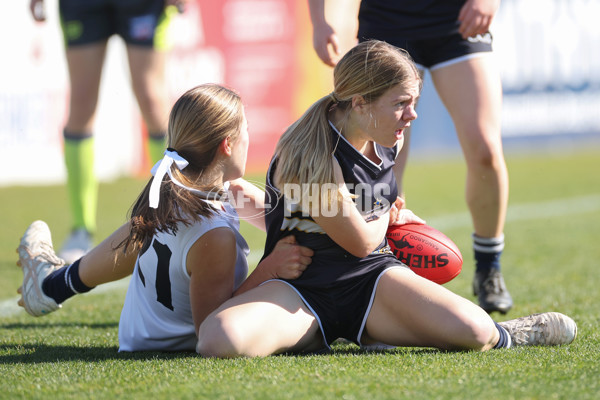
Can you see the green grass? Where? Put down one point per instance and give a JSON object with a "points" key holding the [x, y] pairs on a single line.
{"points": [[550, 262]]}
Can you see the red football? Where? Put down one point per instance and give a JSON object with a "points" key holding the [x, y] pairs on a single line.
{"points": [[427, 251]]}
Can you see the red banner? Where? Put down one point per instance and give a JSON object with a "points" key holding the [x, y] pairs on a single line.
{"points": [[250, 46]]}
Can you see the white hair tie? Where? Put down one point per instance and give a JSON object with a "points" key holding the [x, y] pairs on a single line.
{"points": [[163, 167]]}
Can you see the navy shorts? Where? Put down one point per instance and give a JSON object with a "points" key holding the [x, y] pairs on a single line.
{"points": [[90, 21], [432, 53], [342, 310]]}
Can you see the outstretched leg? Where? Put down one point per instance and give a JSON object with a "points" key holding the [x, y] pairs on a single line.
{"points": [[409, 310], [48, 281]]}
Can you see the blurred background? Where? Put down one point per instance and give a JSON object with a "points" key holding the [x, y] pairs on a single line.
{"points": [[548, 52]]}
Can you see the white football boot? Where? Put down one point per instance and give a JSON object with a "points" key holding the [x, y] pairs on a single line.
{"points": [[37, 259], [76, 246], [546, 329]]}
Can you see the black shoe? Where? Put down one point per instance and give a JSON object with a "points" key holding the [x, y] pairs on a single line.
{"points": [[490, 289]]}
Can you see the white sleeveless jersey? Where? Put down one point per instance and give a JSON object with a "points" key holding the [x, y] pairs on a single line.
{"points": [[157, 312]]}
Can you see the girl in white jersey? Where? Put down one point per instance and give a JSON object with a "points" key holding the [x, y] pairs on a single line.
{"points": [[182, 239]]}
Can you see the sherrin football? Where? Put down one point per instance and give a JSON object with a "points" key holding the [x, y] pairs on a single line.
{"points": [[427, 251]]}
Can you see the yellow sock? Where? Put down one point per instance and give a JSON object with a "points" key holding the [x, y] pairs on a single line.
{"points": [[82, 184]]}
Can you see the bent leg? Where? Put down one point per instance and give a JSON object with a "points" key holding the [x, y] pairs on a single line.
{"points": [[266, 320], [409, 310]]}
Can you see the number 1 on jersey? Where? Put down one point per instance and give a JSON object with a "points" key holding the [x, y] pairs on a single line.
{"points": [[163, 280]]}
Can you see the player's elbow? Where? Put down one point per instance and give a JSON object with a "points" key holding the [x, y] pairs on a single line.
{"points": [[362, 248], [360, 253]]}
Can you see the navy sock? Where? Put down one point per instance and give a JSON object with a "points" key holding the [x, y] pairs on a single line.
{"points": [[505, 341], [64, 283], [487, 252]]}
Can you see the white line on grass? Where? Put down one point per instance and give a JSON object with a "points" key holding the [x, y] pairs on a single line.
{"points": [[528, 211], [518, 212], [9, 307]]}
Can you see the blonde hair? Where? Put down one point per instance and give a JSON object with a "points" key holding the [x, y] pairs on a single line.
{"points": [[304, 151], [199, 121]]}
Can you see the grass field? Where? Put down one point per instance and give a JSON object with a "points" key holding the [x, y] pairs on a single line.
{"points": [[551, 262]]}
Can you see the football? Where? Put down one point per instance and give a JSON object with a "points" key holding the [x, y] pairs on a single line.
{"points": [[427, 251]]}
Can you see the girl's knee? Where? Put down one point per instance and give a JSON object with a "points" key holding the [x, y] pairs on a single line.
{"points": [[219, 337], [480, 333]]}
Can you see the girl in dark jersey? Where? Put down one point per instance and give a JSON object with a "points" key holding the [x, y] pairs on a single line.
{"points": [[451, 39], [331, 184]]}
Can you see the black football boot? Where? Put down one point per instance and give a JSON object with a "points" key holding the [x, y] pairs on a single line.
{"points": [[490, 289]]}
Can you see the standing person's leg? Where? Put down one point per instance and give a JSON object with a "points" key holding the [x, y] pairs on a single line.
{"points": [[147, 67], [85, 64], [144, 26], [472, 93], [269, 319], [85, 70]]}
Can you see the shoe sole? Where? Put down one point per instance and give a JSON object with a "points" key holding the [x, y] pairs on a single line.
{"points": [[29, 273]]}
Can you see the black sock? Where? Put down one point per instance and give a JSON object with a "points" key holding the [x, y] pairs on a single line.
{"points": [[487, 252], [505, 341], [64, 283]]}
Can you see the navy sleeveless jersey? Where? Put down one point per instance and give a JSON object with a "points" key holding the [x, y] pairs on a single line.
{"points": [[408, 19], [376, 190]]}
